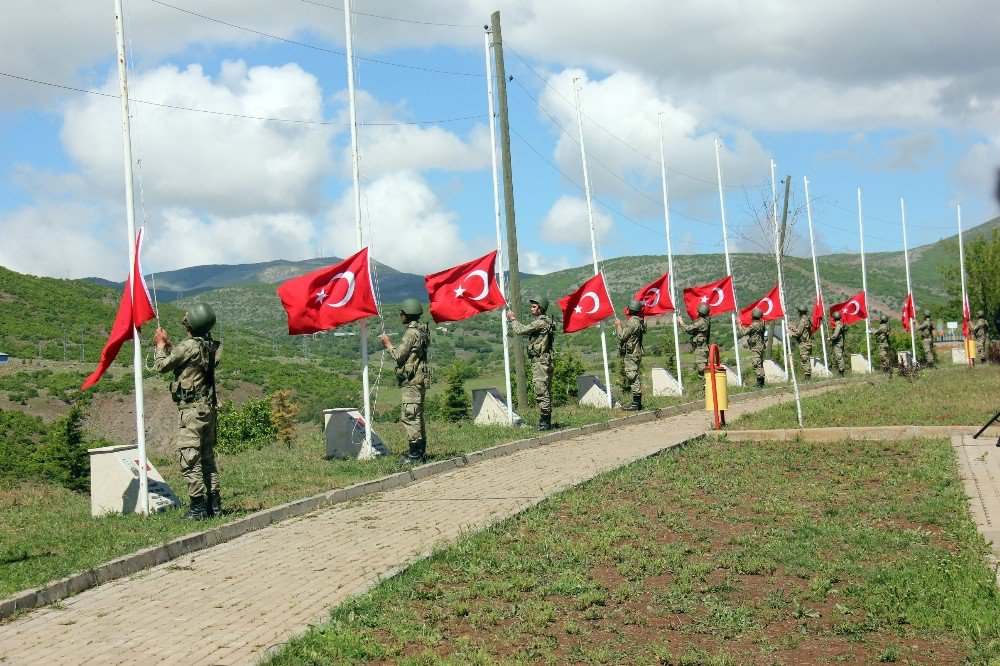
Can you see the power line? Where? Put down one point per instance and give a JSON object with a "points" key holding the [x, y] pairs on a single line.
{"points": [[393, 18]]}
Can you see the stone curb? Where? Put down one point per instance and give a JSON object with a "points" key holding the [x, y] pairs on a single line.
{"points": [[190, 543], [870, 433]]}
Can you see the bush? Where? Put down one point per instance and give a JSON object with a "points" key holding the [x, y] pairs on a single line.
{"points": [[62, 456], [457, 405], [245, 428], [19, 437], [283, 413]]}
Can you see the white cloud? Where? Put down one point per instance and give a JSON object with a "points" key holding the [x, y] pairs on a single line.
{"points": [[536, 263], [567, 222], [64, 240]]}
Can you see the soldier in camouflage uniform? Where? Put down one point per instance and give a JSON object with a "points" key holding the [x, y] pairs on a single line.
{"points": [[540, 334], [926, 330], [193, 361], [883, 345], [981, 333], [413, 375], [838, 340], [700, 331], [630, 349], [802, 333], [754, 333]]}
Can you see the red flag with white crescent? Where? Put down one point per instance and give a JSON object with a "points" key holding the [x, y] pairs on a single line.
{"points": [[909, 312], [466, 290], [966, 316], [587, 305], [718, 296], [852, 310], [817, 316], [329, 297], [655, 296], [769, 305]]}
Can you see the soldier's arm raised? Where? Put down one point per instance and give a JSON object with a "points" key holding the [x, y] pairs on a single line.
{"points": [[405, 346], [165, 361]]}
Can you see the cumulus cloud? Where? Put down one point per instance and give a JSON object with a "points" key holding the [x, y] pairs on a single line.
{"points": [[537, 263], [567, 222], [65, 240]]}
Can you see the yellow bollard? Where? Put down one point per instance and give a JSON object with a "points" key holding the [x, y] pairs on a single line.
{"points": [[970, 349], [721, 389]]}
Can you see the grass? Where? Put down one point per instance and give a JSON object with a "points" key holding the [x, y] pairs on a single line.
{"points": [[785, 552]]}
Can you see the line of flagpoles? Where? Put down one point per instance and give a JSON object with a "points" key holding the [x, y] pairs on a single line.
{"points": [[572, 304]]}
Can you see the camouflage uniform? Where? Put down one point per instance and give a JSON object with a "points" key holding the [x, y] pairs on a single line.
{"points": [[884, 347], [700, 331], [192, 361], [754, 333], [412, 372], [802, 333], [540, 334], [630, 350], [926, 330], [838, 340], [981, 333]]}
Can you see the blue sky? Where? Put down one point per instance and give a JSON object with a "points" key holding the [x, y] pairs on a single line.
{"points": [[897, 98]]}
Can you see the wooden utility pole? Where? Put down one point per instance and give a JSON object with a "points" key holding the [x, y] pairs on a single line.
{"points": [[781, 256], [514, 285]]}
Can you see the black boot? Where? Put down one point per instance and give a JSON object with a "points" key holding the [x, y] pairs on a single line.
{"points": [[414, 455], [197, 510], [636, 404], [760, 382], [544, 421], [841, 372], [214, 507]]}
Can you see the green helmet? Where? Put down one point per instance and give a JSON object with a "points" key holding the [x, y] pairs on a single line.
{"points": [[802, 310], [836, 315], [927, 315], [200, 318], [703, 309], [757, 313], [884, 318], [541, 302], [634, 306], [411, 307], [980, 313]]}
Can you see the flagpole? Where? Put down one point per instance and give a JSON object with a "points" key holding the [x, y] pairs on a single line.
{"points": [[909, 289], [812, 249], [729, 266], [140, 421], [593, 237], [785, 346], [781, 288], [864, 281], [496, 206], [367, 452], [670, 255], [961, 271]]}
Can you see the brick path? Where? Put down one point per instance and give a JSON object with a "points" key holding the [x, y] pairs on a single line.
{"points": [[230, 603], [979, 465]]}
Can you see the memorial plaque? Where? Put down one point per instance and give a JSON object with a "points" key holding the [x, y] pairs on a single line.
{"points": [[489, 407], [345, 435], [592, 392], [664, 383], [114, 482]]}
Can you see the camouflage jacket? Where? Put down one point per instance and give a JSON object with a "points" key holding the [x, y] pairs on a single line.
{"points": [[700, 330], [926, 329], [838, 335], [192, 362], [980, 329], [882, 335], [630, 336], [754, 334], [802, 332], [540, 334], [411, 355]]}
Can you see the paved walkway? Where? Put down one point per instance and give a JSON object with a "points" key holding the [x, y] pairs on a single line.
{"points": [[979, 465], [230, 603]]}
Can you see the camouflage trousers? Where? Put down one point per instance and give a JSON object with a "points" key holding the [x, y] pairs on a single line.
{"points": [[631, 376], [840, 357], [196, 449], [412, 418], [700, 359], [805, 357], [885, 358], [981, 350], [757, 361], [541, 376], [929, 352]]}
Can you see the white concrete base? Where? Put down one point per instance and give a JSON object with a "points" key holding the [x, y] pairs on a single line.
{"points": [[345, 435], [592, 392], [859, 364], [959, 357], [904, 358], [490, 408], [773, 373], [820, 370], [114, 482], [732, 379], [664, 383]]}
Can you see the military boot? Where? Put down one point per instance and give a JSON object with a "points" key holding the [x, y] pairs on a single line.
{"points": [[636, 404], [544, 421], [841, 372], [760, 382], [414, 455], [214, 507], [197, 510]]}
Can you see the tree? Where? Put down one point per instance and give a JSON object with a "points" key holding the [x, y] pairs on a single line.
{"points": [[284, 411], [62, 456], [982, 280], [457, 404]]}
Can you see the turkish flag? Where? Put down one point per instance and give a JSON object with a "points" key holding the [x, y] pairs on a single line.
{"points": [[587, 305], [909, 312], [966, 316], [329, 297], [655, 296], [770, 305], [852, 310], [128, 316], [718, 296], [817, 316], [466, 290]]}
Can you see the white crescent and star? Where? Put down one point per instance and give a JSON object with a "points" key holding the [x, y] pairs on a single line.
{"points": [[349, 277], [597, 303], [656, 301], [722, 296], [770, 305], [857, 308], [486, 285]]}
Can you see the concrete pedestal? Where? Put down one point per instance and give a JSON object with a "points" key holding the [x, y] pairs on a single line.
{"points": [[859, 364], [490, 408], [820, 370], [664, 383], [905, 358], [114, 482], [774, 373], [732, 379], [959, 357], [592, 392], [345, 435]]}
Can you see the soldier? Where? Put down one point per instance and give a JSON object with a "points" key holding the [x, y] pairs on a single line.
{"points": [[803, 334], [926, 330], [540, 334], [838, 338], [413, 376], [981, 333], [630, 349], [882, 342], [193, 361], [701, 332], [754, 333]]}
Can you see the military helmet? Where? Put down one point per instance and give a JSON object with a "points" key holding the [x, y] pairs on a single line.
{"points": [[635, 306], [927, 315], [980, 313], [757, 313], [541, 302], [803, 309], [883, 318], [200, 318], [703, 309], [836, 315], [411, 307]]}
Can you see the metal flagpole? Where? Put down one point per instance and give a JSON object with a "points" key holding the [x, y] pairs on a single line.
{"points": [[909, 289], [786, 346], [496, 206], [781, 289], [670, 255], [961, 271], [593, 238], [140, 424], [812, 249], [367, 452], [864, 281], [729, 266]]}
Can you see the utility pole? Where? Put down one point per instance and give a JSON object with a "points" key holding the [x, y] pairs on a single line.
{"points": [[514, 286]]}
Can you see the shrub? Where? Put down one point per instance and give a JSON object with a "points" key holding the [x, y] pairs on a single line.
{"points": [[457, 405], [62, 456], [19, 437], [245, 428], [283, 412]]}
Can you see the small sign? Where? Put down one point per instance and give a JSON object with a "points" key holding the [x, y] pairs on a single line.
{"points": [[952, 325]]}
